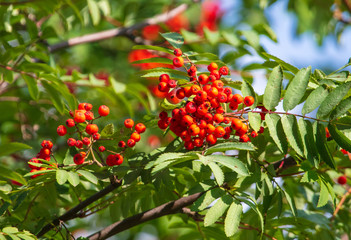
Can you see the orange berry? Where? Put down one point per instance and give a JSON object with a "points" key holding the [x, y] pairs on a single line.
{"points": [[180, 93], [128, 123], [249, 100], [131, 142], [211, 139], [224, 70], [195, 89], [219, 132], [140, 128], [79, 158], [210, 128], [121, 144], [212, 66], [218, 118], [164, 78], [135, 136], [237, 98], [203, 79], [244, 138], [236, 123], [91, 129], [119, 159], [178, 61], [103, 110], [70, 123], [79, 116], [177, 52], [61, 130]]}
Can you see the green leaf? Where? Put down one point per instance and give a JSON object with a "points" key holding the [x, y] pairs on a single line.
{"points": [[118, 87], [272, 92], [291, 202], [287, 66], [9, 148], [222, 147], [73, 178], [341, 108], [255, 121], [7, 173], [94, 11], [217, 210], [322, 146], [247, 90], [323, 194], [175, 39], [296, 89], [217, 172], [205, 200], [314, 100], [25, 236], [108, 130], [10, 230], [291, 132], [232, 220], [32, 86], [310, 176], [61, 176], [155, 48], [307, 136], [276, 131], [333, 99], [231, 38], [213, 37], [88, 176], [339, 77], [230, 162], [343, 141], [54, 96], [154, 60], [252, 38]]}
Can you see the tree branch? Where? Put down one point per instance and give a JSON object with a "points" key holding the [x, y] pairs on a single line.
{"points": [[162, 210], [348, 4], [121, 31], [73, 212], [340, 204]]}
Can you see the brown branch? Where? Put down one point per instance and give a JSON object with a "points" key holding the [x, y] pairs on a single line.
{"points": [[162, 210], [15, 3], [347, 4], [340, 204], [18, 71], [73, 212], [122, 31]]}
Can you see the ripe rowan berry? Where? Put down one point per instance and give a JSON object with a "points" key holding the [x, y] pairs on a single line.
{"points": [[185, 136], [135, 136], [212, 78], [128, 123], [343, 151], [163, 87], [219, 132], [70, 123], [190, 107], [203, 79], [182, 111], [211, 139], [195, 89], [177, 52], [96, 136], [187, 91], [187, 120], [222, 97], [327, 134], [198, 142], [121, 144], [91, 129], [342, 180], [210, 128], [162, 124], [212, 66], [102, 149], [103, 110], [180, 93], [249, 100], [79, 144], [261, 130], [171, 83], [86, 141], [194, 130], [119, 159], [35, 175], [131, 142], [172, 97], [237, 98], [163, 115], [164, 78], [46, 144], [88, 106], [71, 113], [237, 123], [189, 145], [242, 130], [178, 61], [202, 110], [213, 92], [140, 128], [224, 70], [79, 116], [192, 70], [233, 106], [218, 118], [81, 106], [89, 115], [203, 124], [218, 84], [226, 120], [111, 160], [79, 158], [61, 130], [244, 138], [227, 91], [71, 142]]}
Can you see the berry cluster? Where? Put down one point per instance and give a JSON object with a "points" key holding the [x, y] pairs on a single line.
{"points": [[203, 118], [45, 154], [88, 133]]}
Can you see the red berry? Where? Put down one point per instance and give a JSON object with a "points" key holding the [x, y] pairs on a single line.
{"points": [[178, 61], [96, 136], [163, 87], [47, 144], [91, 129], [103, 110], [140, 128], [88, 106], [86, 141], [89, 115], [203, 79], [224, 70], [79, 158], [164, 78], [131, 142], [343, 151], [213, 66], [177, 52], [171, 83], [71, 142], [81, 106], [249, 100], [192, 71], [70, 123], [61, 130], [79, 116], [119, 159], [237, 98], [163, 115], [33, 160], [102, 149], [79, 144], [342, 180], [254, 134], [135, 136], [244, 138], [111, 160], [128, 123], [121, 144]]}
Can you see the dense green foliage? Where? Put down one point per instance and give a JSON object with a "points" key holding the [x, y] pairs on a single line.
{"points": [[281, 185]]}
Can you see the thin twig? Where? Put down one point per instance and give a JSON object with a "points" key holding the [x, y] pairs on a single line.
{"points": [[337, 209]]}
